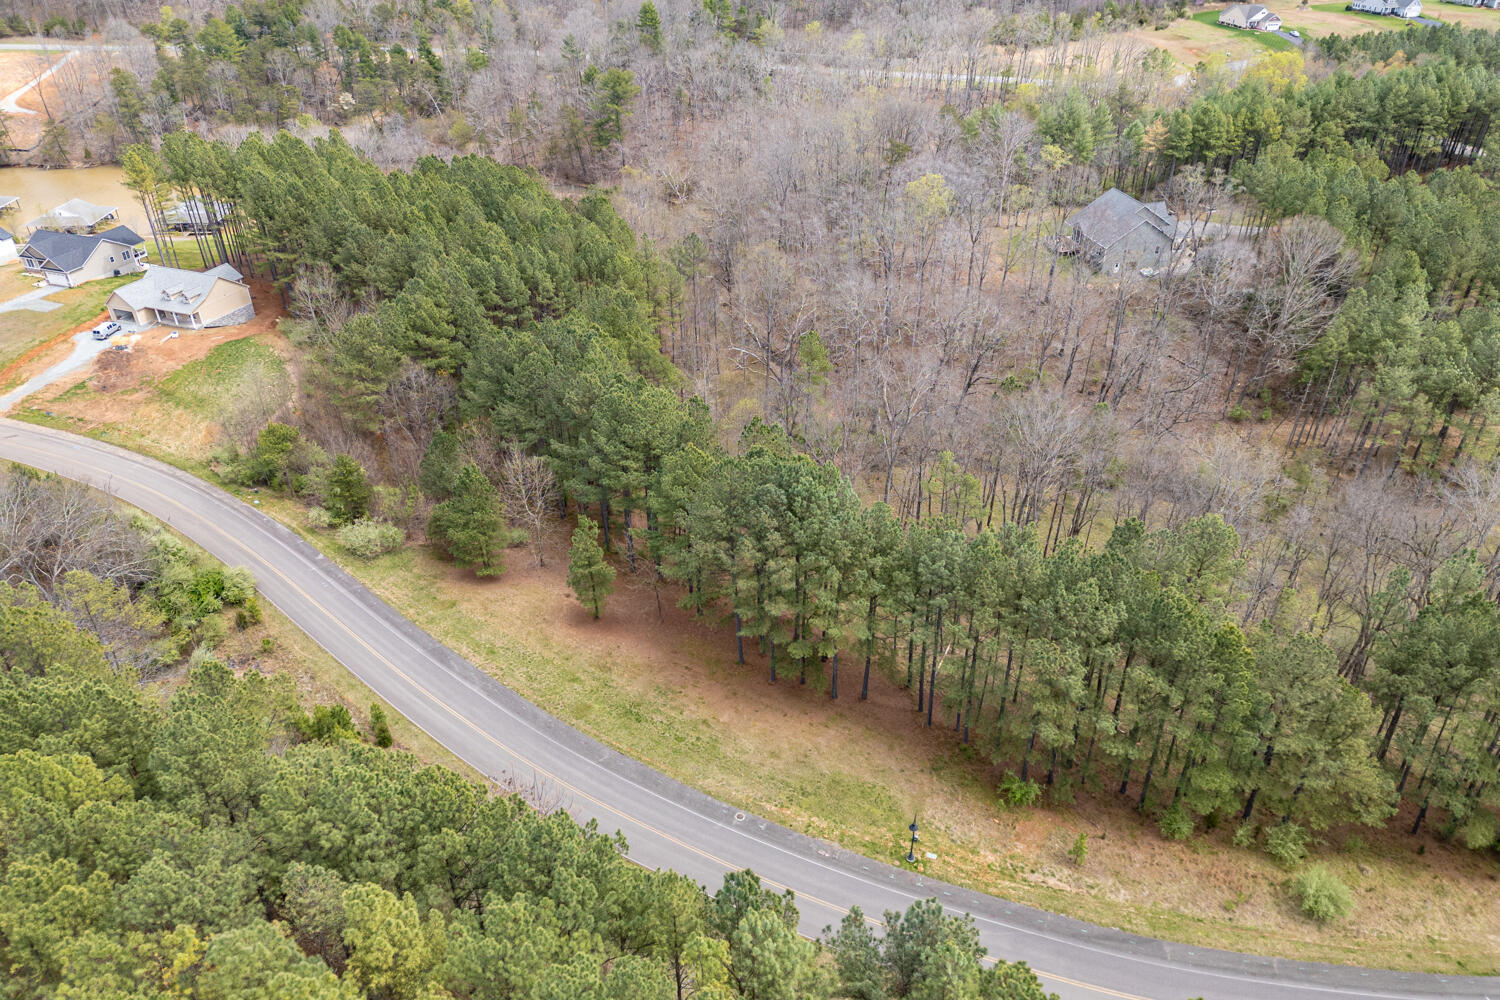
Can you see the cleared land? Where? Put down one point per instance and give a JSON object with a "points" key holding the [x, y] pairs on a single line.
{"points": [[663, 687], [28, 337]]}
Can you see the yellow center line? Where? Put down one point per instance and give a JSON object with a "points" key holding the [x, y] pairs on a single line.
{"points": [[521, 758]]}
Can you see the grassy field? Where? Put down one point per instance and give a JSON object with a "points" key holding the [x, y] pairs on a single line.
{"points": [[655, 683], [1267, 39], [23, 329]]}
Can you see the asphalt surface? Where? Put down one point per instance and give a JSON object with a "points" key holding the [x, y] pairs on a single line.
{"points": [[667, 824]]}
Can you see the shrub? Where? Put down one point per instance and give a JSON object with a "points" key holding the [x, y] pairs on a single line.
{"points": [[238, 588], [267, 646], [380, 727], [247, 614], [1478, 831], [1176, 823], [1287, 843], [1079, 852], [1322, 895], [368, 539], [327, 724], [1017, 793], [1244, 835], [319, 518]]}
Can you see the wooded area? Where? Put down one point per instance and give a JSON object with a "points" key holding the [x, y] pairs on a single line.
{"points": [[1219, 540], [229, 844]]}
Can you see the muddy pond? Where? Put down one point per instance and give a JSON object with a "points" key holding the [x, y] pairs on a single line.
{"points": [[42, 190]]}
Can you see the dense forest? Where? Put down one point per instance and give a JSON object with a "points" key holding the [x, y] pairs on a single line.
{"points": [[224, 843], [1220, 544], [1160, 662]]}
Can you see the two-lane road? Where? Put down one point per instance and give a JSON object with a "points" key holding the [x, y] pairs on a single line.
{"points": [[667, 824]]}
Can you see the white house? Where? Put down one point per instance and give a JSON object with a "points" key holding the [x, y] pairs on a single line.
{"points": [[1250, 15], [8, 251], [1391, 8]]}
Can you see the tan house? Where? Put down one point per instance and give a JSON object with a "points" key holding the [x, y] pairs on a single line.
{"points": [[187, 300], [70, 259]]}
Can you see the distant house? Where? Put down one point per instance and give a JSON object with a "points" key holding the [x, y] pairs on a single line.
{"points": [[1250, 15], [75, 216], [1115, 231], [195, 216], [8, 251], [1390, 8], [187, 300], [70, 259], [1492, 4]]}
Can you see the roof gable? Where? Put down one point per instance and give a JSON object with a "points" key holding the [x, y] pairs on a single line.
{"points": [[64, 251], [174, 289], [1110, 217]]}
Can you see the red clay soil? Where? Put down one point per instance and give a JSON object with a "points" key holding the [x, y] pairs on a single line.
{"points": [[154, 356]]}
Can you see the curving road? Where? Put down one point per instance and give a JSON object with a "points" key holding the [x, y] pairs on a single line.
{"points": [[666, 823]]}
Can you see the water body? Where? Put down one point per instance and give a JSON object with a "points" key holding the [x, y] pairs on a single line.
{"points": [[41, 191]]}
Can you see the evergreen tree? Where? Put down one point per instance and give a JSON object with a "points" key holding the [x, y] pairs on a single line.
{"points": [[648, 26], [469, 527], [589, 575], [348, 494]]}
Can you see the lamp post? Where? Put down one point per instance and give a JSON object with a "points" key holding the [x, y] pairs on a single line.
{"points": [[911, 854]]}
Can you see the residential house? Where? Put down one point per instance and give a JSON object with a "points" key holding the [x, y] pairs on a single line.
{"points": [[1391, 8], [195, 216], [70, 259], [1250, 15], [8, 251], [1492, 4], [75, 216], [187, 300], [1115, 231]]}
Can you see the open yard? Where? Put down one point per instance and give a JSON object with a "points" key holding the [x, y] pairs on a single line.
{"points": [[663, 686], [1265, 39], [25, 335]]}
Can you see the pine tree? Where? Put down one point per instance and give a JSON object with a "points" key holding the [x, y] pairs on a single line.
{"points": [[588, 574], [469, 526], [648, 25], [348, 495]]}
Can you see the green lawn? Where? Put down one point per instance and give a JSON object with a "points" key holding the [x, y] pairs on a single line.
{"points": [[188, 252], [23, 329], [1270, 40], [205, 386]]}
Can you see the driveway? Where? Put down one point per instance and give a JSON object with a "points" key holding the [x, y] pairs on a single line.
{"points": [[34, 301], [85, 347]]}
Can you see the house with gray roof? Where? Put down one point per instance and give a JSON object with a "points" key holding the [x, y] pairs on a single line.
{"points": [[1115, 231], [8, 250], [186, 300], [1406, 9], [70, 259], [1250, 15], [75, 216]]}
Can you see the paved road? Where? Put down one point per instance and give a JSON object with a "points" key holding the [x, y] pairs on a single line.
{"points": [[666, 823], [8, 102]]}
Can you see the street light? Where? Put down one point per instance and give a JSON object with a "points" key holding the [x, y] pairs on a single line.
{"points": [[911, 854]]}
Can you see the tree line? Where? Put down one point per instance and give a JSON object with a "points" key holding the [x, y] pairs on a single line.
{"points": [[224, 843], [1069, 666]]}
